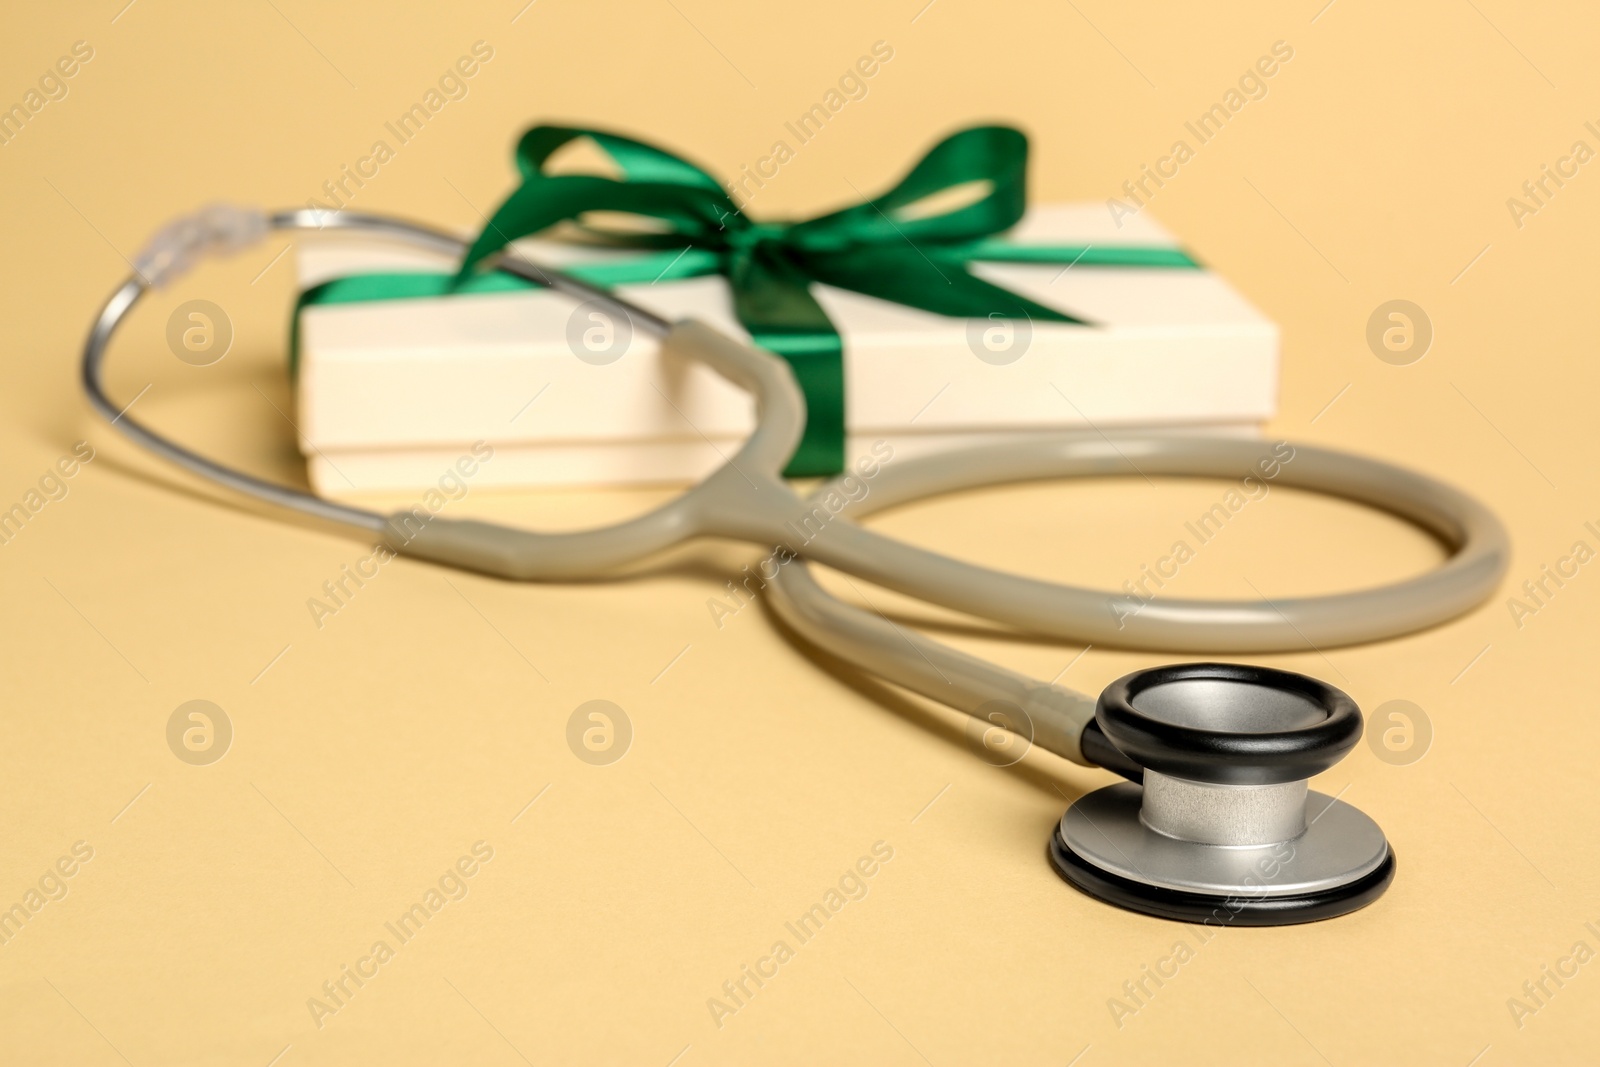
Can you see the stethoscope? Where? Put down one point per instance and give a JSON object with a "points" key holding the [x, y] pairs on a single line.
{"points": [[1215, 823]]}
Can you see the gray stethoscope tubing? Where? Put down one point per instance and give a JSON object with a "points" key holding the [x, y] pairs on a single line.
{"points": [[748, 500], [910, 659]]}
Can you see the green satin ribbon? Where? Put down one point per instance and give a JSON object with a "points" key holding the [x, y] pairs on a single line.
{"points": [[886, 248]]}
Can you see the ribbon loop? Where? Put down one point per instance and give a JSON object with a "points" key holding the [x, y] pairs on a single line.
{"points": [[994, 155]]}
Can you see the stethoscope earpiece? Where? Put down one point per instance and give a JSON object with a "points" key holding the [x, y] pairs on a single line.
{"points": [[1223, 829]]}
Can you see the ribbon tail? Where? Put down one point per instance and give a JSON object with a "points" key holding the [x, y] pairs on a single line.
{"points": [[817, 360], [772, 297]]}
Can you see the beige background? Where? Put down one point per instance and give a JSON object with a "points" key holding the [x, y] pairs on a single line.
{"points": [[370, 754]]}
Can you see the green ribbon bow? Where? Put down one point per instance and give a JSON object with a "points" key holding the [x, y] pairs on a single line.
{"points": [[886, 248]]}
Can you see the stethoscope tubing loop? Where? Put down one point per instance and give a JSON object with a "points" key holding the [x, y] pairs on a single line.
{"points": [[1477, 541]]}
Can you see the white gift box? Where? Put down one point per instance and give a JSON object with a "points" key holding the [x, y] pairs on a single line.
{"points": [[392, 392]]}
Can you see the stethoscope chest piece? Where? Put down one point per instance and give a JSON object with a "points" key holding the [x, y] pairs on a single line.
{"points": [[1223, 829]]}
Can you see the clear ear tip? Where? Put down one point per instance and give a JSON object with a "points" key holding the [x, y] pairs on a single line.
{"points": [[183, 242]]}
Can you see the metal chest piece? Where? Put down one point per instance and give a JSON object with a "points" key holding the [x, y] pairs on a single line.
{"points": [[1224, 830]]}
